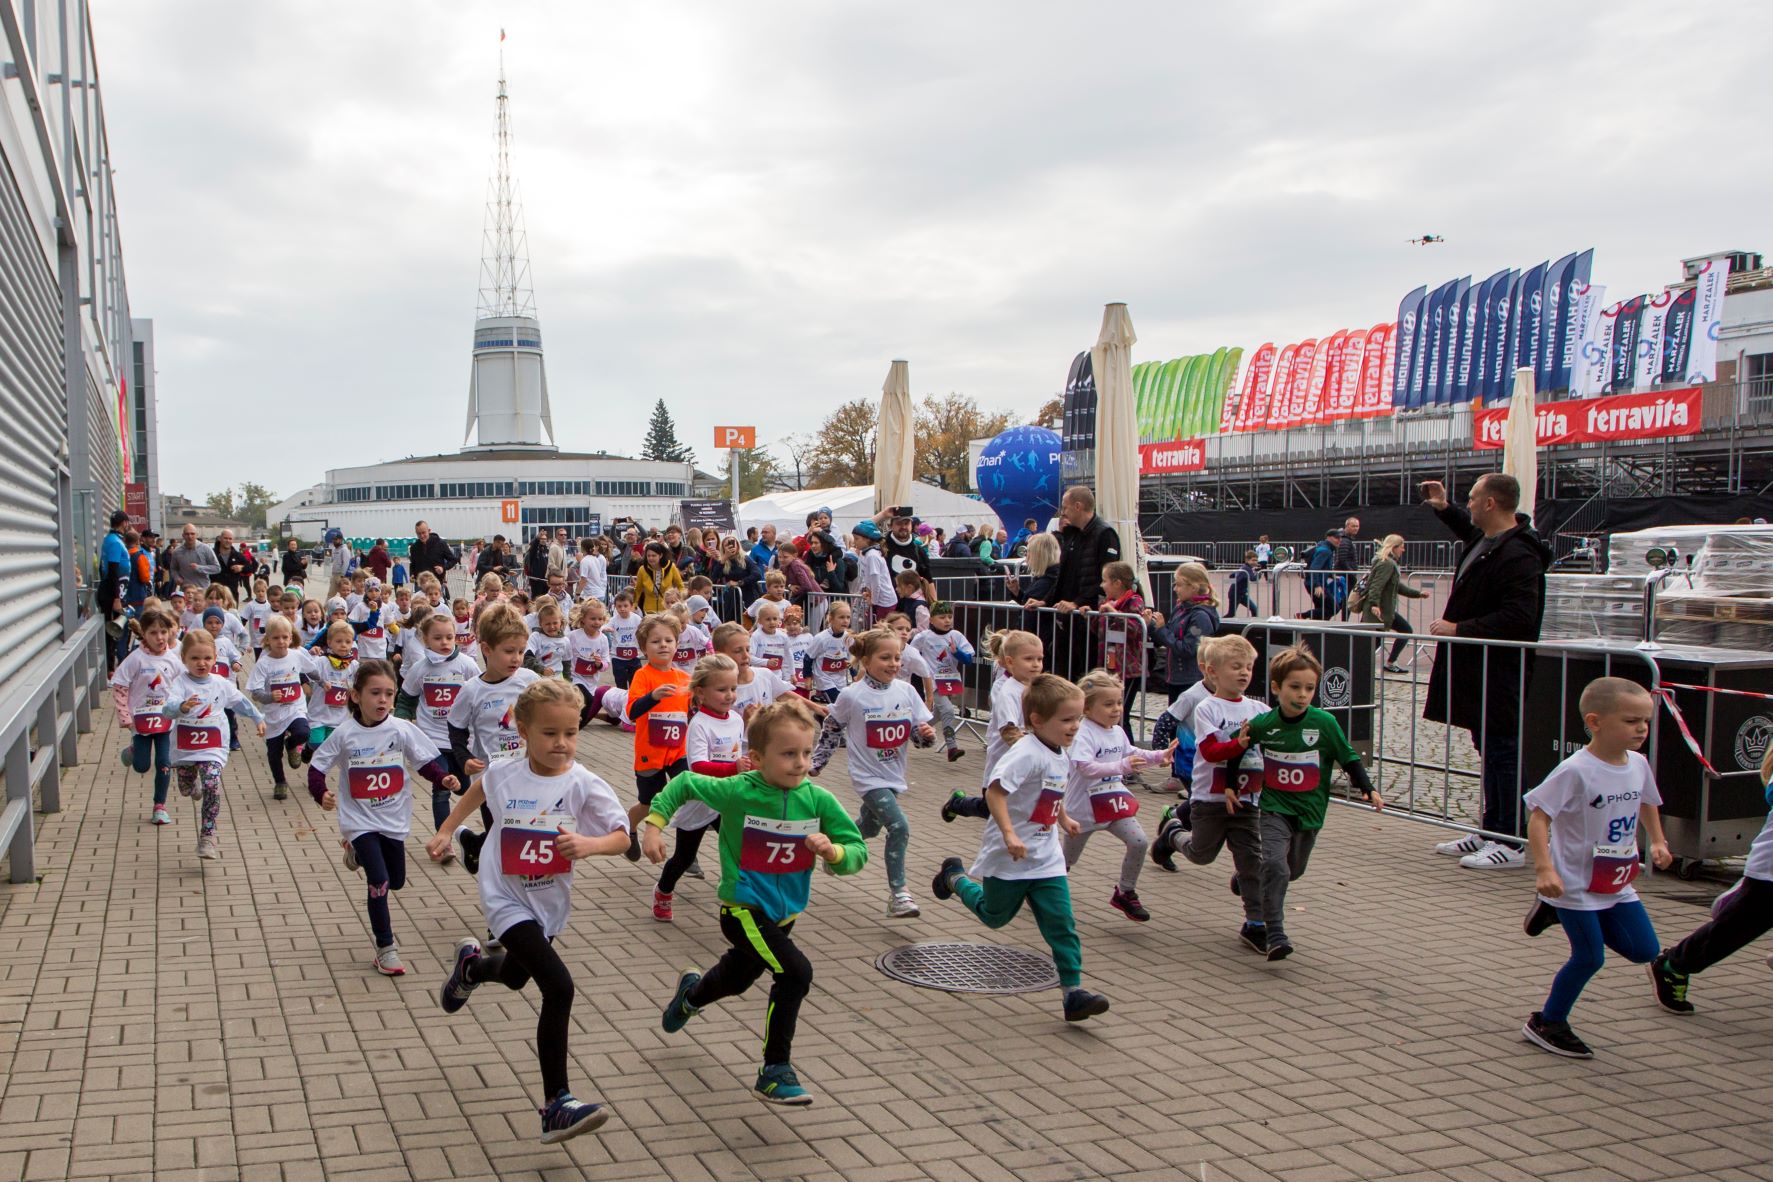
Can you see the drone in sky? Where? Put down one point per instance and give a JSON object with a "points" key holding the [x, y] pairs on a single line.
{"points": [[1427, 240]]}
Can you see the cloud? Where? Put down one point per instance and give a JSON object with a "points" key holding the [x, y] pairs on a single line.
{"points": [[748, 210]]}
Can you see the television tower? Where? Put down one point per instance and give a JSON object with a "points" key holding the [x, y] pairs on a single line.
{"points": [[508, 385]]}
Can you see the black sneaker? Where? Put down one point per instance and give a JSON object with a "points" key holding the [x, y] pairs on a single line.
{"points": [[1081, 1004], [454, 994], [1540, 915], [1162, 852], [1127, 903], [565, 1118], [279, 790], [471, 843], [1237, 887], [1556, 1037], [1670, 986], [632, 853], [1254, 937], [1281, 950], [680, 1011], [943, 886], [948, 813]]}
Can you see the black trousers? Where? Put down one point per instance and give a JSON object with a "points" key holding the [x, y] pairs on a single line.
{"points": [[683, 854], [758, 944], [296, 734], [1744, 915], [529, 955]]}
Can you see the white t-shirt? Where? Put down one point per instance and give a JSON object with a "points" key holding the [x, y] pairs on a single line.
{"points": [[373, 793], [830, 655], [1091, 801], [229, 662], [877, 724], [624, 643], [465, 639], [711, 740], [147, 681], [486, 711], [758, 603], [912, 664], [593, 576], [1263, 550], [522, 876], [763, 688], [1215, 716], [372, 643], [1593, 806], [770, 651], [436, 682], [798, 647], [1006, 710], [306, 632], [1760, 854], [943, 652], [281, 677], [257, 615], [874, 581], [1182, 709], [692, 645], [201, 735], [1034, 776], [553, 653], [589, 656], [330, 703]]}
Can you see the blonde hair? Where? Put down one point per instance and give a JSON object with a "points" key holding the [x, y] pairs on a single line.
{"points": [[653, 623], [1097, 683], [436, 619], [498, 623], [221, 592], [196, 638], [1045, 694], [340, 628], [781, 713], [1390, 541], [1007, 642], [279, 625], [727, 633], [865, 644], [1042, 554], [707, 669], [548, 691], [491, 584], [1217, 649], [584, 608], [1194, 574], [774, 578], [549, 607]]}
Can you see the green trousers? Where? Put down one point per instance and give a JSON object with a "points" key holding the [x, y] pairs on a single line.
{"points": [[997, 900]]}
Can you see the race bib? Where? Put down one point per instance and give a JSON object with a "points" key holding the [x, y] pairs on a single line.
{"points": [[1046, 805], [374, 781], [506, 745], [1111, 802], [149, 721], [724, 750], [886, 734], [199, 738], [587, 667], [221, 668], [770, 846], [686, 656], [772, 662], [375, 633], [526, 847], [949, 687], [627, 652], [441, 695], [1291, 771], [1615, 866], [1246, 776], [666, 728], [285, 692], [335, 695], [833, 664]]}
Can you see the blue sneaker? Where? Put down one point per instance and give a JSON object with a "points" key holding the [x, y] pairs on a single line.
{"points": [[454, 994], [565, 1118], [777, 1083], [943, 886], [680, 1011]]}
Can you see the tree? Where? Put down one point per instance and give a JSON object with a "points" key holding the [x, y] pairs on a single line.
{"points": [[801, 449], [843, 453], [661, 439], [1051, 413], [254, 500], [945, 428], [221, 503], [757, 471]]}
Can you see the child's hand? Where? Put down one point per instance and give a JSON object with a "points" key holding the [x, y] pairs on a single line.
{"points": [[1243, 734], [1231, 803], [474, 766], [652, 843], [1378, 802], [1072, 828], [1137, 763], [1660, 857], [1170, 751], [328, 801], [1014, 848], [820, 846], [927, 733], [573, 846], [454, 785], [438, 845], [1547, 882], [1012, 735], [261, 728], [188, 705]]}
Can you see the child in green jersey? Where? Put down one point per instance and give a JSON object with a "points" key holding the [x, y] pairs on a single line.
{"points": [[1301, 748], [774, 824]]}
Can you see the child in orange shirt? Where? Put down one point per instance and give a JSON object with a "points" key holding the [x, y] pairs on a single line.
{"points": [[659, 695]]}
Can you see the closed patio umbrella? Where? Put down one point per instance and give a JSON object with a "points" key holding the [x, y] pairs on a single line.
{"points": [[1520, 440], [895, 441], [1117, 436]]}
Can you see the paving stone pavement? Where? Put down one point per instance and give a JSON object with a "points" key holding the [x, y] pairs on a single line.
{"points": [[162, 1017]]}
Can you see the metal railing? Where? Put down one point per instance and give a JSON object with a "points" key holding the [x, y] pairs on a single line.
{"points": [[45, 710]]}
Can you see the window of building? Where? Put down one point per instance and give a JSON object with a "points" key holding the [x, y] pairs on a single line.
{"points": [[624, 488], [459, 490], [669, 488], [405, 492], [361, 493], [1758, 382]]}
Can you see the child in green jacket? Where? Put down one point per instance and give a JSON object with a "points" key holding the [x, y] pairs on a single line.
{"points": [[774, 824]]}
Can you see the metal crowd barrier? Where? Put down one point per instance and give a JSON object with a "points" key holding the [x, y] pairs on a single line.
{"points": [[45, 710]]}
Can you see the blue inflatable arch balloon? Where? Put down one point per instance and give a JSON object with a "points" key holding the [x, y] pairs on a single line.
{"points": [[1018, 476]]}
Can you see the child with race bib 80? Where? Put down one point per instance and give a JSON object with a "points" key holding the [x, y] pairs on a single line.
{"points": [[658, 707], [375, 810], [548, 812], [198, 705], [774, 824]]}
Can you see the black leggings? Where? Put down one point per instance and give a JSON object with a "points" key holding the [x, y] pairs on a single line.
{"points": [[1744, 915], [758, 944], [296, 735], [688, 842], [527, 955], [384, 863], [1398, 624]]}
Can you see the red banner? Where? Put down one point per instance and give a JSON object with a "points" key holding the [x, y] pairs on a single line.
{"points": [[1281, 389], [1376, 372], [1182, 455], [1303, 361], [1252, 411], [1600, 420], [135, 503]]}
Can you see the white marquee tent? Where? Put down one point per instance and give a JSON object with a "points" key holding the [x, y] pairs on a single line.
{"points": [[787, 510]]}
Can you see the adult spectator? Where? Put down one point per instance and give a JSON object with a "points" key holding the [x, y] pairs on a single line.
{"points": [[536, 562], [826, 559], [1086, 545], [764, 552], [494, 558], [628, 558], [430, 553], [237, 567], [751, 536], [734, 570], [1346, 557], [378, 560], [338, 565], [1321, 580], [1498, 593], [1019, 543], [657, 576], [902, 551], [1378, 605], [559, 552], [113, 580], [984, 544], [295, 564], [192, 563], [961, 544], [593, 572], [1041, 558]]}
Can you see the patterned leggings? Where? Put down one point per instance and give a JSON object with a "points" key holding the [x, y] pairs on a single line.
{"points": [[209, 777]]}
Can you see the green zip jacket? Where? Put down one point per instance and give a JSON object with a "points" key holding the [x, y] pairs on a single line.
{"points": [[764, 862]]}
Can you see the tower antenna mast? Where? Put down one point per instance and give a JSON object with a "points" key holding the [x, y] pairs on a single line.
{"points": [[504, 256]]}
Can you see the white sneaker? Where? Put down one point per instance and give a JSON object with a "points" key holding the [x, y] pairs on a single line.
{"points": [[902, 906], [207, 848], [1494, 856], [1459, 847]]}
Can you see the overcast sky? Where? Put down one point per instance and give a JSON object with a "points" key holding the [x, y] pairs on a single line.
{"points": [[750, 209]]}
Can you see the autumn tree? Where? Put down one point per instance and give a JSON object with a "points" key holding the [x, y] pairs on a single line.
{"points": [[1051, 413], [945, 427], [797, 466], [221, 503], [758, 472], [253, 502], [843, 453]]}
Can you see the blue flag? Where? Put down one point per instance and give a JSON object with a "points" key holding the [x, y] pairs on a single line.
{"points": [[1551, 312], [1508, 295], [1483, 333], [1576, 278], [1409, 317], [1529, 311]]}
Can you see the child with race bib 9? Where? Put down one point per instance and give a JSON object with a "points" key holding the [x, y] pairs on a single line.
{"points": [[1096, 794], [1020, 859], [1582, 828], [375, 809], [548, 812], [1016, 658], [879, 717], [140, 686], [198, 705], [774, 824], [716, 747]]}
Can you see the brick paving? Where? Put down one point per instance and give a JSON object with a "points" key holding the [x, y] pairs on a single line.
{"points": [[166, 1018]]}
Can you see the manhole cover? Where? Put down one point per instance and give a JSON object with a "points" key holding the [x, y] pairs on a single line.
{"points": [[969, 968]]}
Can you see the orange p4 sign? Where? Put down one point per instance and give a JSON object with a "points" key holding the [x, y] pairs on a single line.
{"points": [[729, 438]]}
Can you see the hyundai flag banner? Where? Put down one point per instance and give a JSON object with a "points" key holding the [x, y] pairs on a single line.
{"points": [[1569, 322], [1528, 311], [1552, 307], [1403, 345]]}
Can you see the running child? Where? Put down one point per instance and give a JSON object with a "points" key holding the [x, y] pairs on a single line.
{"points": [[692, 641], [588, 650], [1225, 786], [827, 664], [140, 687], [463, 613], [716, 747], [275, 683], [313, 623], [1020, 859], [658, 708], [624, 639], [433, 678], [757, 687], [189, 606], [1016, 659], [912, 667], [879, 716], [1194, 619], [257, 613], [198, 704], [909, 585], [332, 674], [1096, 795], [769, 644], [948, 654], [374, 749], [483, 728], [219, 596], [548, 812], [800, 642], [1583, 831], [548, 651], [774, 823]]}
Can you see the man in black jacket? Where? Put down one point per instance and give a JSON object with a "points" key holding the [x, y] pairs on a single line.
{"points": [[1086, 545], [1498, 593], [430, 553]]}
